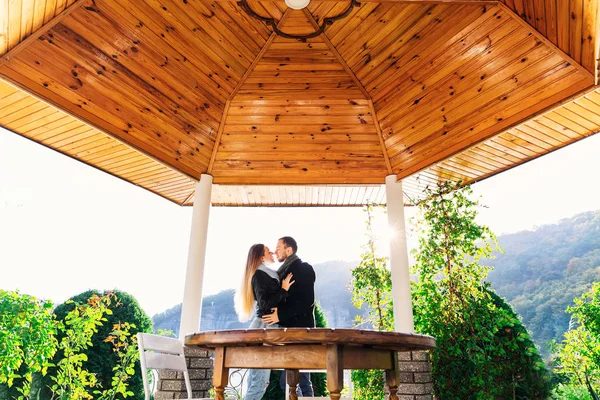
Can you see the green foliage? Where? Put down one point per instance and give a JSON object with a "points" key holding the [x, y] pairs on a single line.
{"points": [[372, 286], [372, 283], [543, 270], [483, 352], [37, 331], [126, 348], [72, 380], [577, 358], [27, 341], [101, 359], [570, 392]]}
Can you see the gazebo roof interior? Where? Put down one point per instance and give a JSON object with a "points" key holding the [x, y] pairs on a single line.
{"points": [[158, 92]]}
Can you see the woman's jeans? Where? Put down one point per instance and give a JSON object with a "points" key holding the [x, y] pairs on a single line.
{"points": [[258, 379]]}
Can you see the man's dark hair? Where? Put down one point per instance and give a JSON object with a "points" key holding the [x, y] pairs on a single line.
{"points": [[289, 241]]}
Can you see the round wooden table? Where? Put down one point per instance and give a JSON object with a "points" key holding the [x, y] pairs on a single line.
{"points": [[294, 349]]}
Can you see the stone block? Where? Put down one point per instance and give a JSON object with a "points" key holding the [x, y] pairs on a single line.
{"points": [[406, 377], [420, 355], [414, 388], [203, 363], [404, 356], [201, 385], [173, 386], [197, 374], [163, 374], [405, 397], [414, 366], [195, 352], [160, 395], [424, 397], [423, 377]]}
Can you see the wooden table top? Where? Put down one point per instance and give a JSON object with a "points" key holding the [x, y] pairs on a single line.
{"points": [[288, 336]]}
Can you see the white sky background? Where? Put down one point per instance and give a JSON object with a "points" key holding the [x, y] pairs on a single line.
{"points": [[66, 227]]}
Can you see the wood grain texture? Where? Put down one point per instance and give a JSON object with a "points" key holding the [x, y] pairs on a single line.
{"points": [[43, 124], [289, 135], [572, 25], [159, 92]]}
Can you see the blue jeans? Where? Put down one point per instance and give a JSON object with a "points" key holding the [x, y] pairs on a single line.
{"points": [[258, 379]]}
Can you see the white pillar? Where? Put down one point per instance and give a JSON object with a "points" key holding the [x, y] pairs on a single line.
{"points": [[403, 313], [194, 277]]}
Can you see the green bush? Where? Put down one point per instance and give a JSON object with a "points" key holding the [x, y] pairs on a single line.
{"points": [[483, 351], [27, 341], [100, 356]]}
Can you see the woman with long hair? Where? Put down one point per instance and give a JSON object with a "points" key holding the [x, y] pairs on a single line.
{"points": [[260, 285]]}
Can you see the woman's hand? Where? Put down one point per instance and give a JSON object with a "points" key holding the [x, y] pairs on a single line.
{"points": [[285, 285]]}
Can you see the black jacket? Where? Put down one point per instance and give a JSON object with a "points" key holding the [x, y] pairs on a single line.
{"points": [[267, 292], [298, 309]]}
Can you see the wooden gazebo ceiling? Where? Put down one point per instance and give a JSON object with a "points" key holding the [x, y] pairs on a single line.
{"points": [[158, 92]]}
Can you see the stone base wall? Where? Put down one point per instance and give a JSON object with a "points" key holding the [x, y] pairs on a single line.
{"points": [[171, 384], [415, 376]]}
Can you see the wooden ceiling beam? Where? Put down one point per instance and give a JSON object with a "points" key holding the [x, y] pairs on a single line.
{"points": [[360, 86], [259, 56], [36, 35]]}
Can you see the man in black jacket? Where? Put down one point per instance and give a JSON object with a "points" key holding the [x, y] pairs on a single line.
{"points": [[298, 309]]}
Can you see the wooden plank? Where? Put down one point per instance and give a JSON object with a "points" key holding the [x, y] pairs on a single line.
{"points": [[147, 63], [485, 71], [13, 18], [4, 32], [550, 8], [35, 36], [540, 16], [251, 68], [38, 14], [550, 104], [38, 91], [576, 29], [590, 35], [563, 25], [573, 46], [27, 8]]}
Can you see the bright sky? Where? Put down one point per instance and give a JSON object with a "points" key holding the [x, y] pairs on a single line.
{"points": [[66, 227]]}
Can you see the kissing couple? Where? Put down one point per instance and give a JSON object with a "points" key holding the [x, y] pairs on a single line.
{"points": [[276, 299]]}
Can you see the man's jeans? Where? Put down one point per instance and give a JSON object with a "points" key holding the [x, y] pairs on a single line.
{"points": [[258, 379]]}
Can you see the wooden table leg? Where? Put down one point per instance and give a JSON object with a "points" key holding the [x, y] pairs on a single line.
{"points": [[292, 377], [335, 371], [220, 374], [391, 377]]}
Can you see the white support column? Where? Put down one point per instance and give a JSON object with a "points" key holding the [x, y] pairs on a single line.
{"points": [[194, 277], [403, 313]]}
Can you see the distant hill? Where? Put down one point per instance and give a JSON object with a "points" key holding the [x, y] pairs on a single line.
{"points": [[331, 291], [542, 271]]}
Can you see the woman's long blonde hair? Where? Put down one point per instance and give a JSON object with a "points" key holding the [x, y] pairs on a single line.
{"points": [[244, 297]]}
